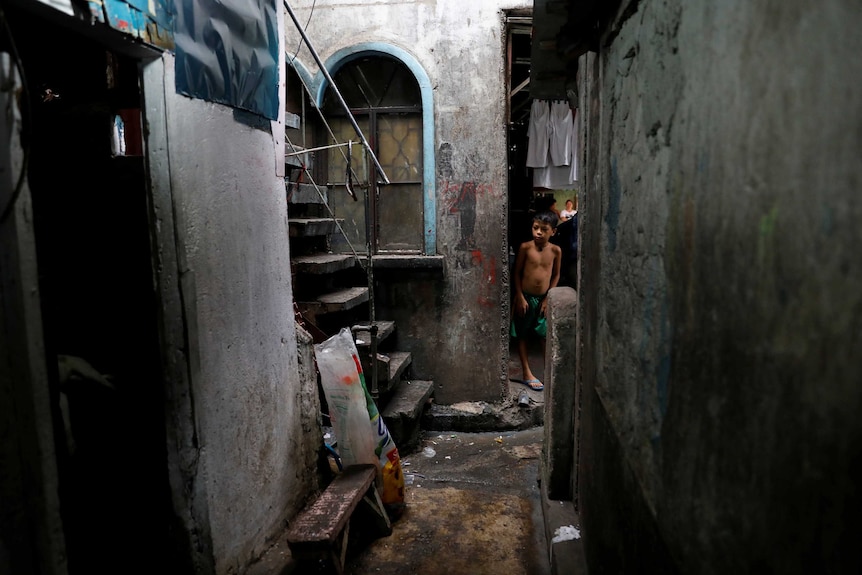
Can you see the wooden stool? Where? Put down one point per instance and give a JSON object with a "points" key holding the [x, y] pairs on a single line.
{"points": [[321, 529]]}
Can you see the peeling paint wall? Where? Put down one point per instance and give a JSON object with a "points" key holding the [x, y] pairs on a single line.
{"points": [[240, 405], [243, 448], [464, 316], [721, 293]]}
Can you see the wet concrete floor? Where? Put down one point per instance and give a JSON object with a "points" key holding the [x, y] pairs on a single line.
{"points": [[473, 507]]}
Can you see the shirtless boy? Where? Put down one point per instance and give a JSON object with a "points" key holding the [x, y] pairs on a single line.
{"points": [[537, 270]]}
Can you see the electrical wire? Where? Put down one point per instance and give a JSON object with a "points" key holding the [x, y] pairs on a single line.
{"points": [[328, 127], [328, 208], [313, 4], [7, 210]]}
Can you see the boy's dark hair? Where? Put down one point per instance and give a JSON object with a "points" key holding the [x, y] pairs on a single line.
{"points": [[546, 217]]}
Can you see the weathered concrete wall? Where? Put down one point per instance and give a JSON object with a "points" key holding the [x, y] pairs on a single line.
{"points": [[462, 317], [242, 448], [561, 404], [721, 293]]}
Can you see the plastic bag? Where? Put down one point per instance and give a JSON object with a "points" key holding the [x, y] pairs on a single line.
{"points": [[362, 434]]}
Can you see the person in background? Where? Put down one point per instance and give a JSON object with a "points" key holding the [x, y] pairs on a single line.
{"points": [[553, 207], [537, 270], [566, 237], [569, 212]]}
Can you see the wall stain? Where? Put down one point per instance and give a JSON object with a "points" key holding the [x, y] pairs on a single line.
{"points": [[460, 195], [767, 230], [486, 295], [612, 217]]}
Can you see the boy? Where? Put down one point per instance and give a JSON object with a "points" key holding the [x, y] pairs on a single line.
{"points": [[537, 270]]}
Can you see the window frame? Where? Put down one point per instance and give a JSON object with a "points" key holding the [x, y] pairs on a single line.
{"points": [[317, 85]]}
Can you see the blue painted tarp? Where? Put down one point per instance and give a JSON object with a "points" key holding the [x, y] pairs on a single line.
{"points": [[227, 52]]}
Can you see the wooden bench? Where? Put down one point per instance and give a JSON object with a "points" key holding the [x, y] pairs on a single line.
{"points": [[321, 529]]}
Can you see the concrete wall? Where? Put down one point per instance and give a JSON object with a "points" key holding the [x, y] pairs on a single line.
{"points": [[241, 444], [721, 289], [462, 317]]}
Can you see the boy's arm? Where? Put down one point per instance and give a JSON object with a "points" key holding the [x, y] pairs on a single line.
{"points": [[519, 269]]}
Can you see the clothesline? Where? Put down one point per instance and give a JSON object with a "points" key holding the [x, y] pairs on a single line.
{"points": [[317, 149]]}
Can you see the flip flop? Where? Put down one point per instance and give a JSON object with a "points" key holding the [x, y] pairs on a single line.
{"points": [[534, 384]]}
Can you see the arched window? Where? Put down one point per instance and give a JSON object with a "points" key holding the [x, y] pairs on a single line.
{"points": [[386, 102]]}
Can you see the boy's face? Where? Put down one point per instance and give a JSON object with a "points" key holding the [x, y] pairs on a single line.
{"points": [[542, 232]]}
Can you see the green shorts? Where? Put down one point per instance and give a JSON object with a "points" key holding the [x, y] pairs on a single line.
{"points": [[533, 321]]}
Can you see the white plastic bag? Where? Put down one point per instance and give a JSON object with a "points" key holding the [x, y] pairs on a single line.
{"points": [[362, 434], [342, 386]]}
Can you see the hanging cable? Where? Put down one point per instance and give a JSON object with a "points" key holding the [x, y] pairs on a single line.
{"points": [[307, 22], [349, 180], [326, 125], [329, 209], [337, 93]]}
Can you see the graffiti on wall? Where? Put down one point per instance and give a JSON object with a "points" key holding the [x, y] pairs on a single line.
{"points": [[486, 294], [460, 192]]}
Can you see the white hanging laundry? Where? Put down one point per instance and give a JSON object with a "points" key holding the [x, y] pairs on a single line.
{"points": [[561, 133], [552, 177], [539, 134], [573, 176]]}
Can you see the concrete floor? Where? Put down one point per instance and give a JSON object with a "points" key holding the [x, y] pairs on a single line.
{"points": [[474, 507], [516, 375]]}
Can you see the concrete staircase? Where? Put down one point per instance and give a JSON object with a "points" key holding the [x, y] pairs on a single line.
{"points": [[331, 292]]}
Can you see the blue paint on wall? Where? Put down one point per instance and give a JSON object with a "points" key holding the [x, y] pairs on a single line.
{"points": [[149, 20], [304, 75], [656, 340], [429, 184]]}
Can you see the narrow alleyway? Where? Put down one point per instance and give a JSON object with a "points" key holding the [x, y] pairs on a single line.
{"points": [[473, 507]]}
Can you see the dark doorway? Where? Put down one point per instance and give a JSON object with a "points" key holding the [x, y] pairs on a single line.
{"points": [[520, 179], [82, 130]]}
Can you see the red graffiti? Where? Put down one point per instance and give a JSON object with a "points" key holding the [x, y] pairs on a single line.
{"points": [[458, 196], [487, 296]]}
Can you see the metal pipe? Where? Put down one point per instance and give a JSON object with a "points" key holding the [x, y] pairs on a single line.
{"points": [[337, 92], [318, 149]]}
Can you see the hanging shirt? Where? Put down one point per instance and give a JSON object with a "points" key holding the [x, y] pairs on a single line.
{"points": [[539, 133], [561, 134]]}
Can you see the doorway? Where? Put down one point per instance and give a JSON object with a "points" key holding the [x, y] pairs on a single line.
{"points": [[519, 26], [87, 178], [519, 29]]}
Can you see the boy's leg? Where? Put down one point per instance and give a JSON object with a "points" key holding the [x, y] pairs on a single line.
{"points": [[525, 364]]}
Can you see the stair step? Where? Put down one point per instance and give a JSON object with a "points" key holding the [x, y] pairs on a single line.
{"points": [[306, 227], [299, 193], [390, 367], [363, 336], [399, 361], [335, 301], [403, 413], [323, 263]]}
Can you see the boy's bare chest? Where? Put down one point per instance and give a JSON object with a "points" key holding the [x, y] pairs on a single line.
{"points": [[540, 258]]}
